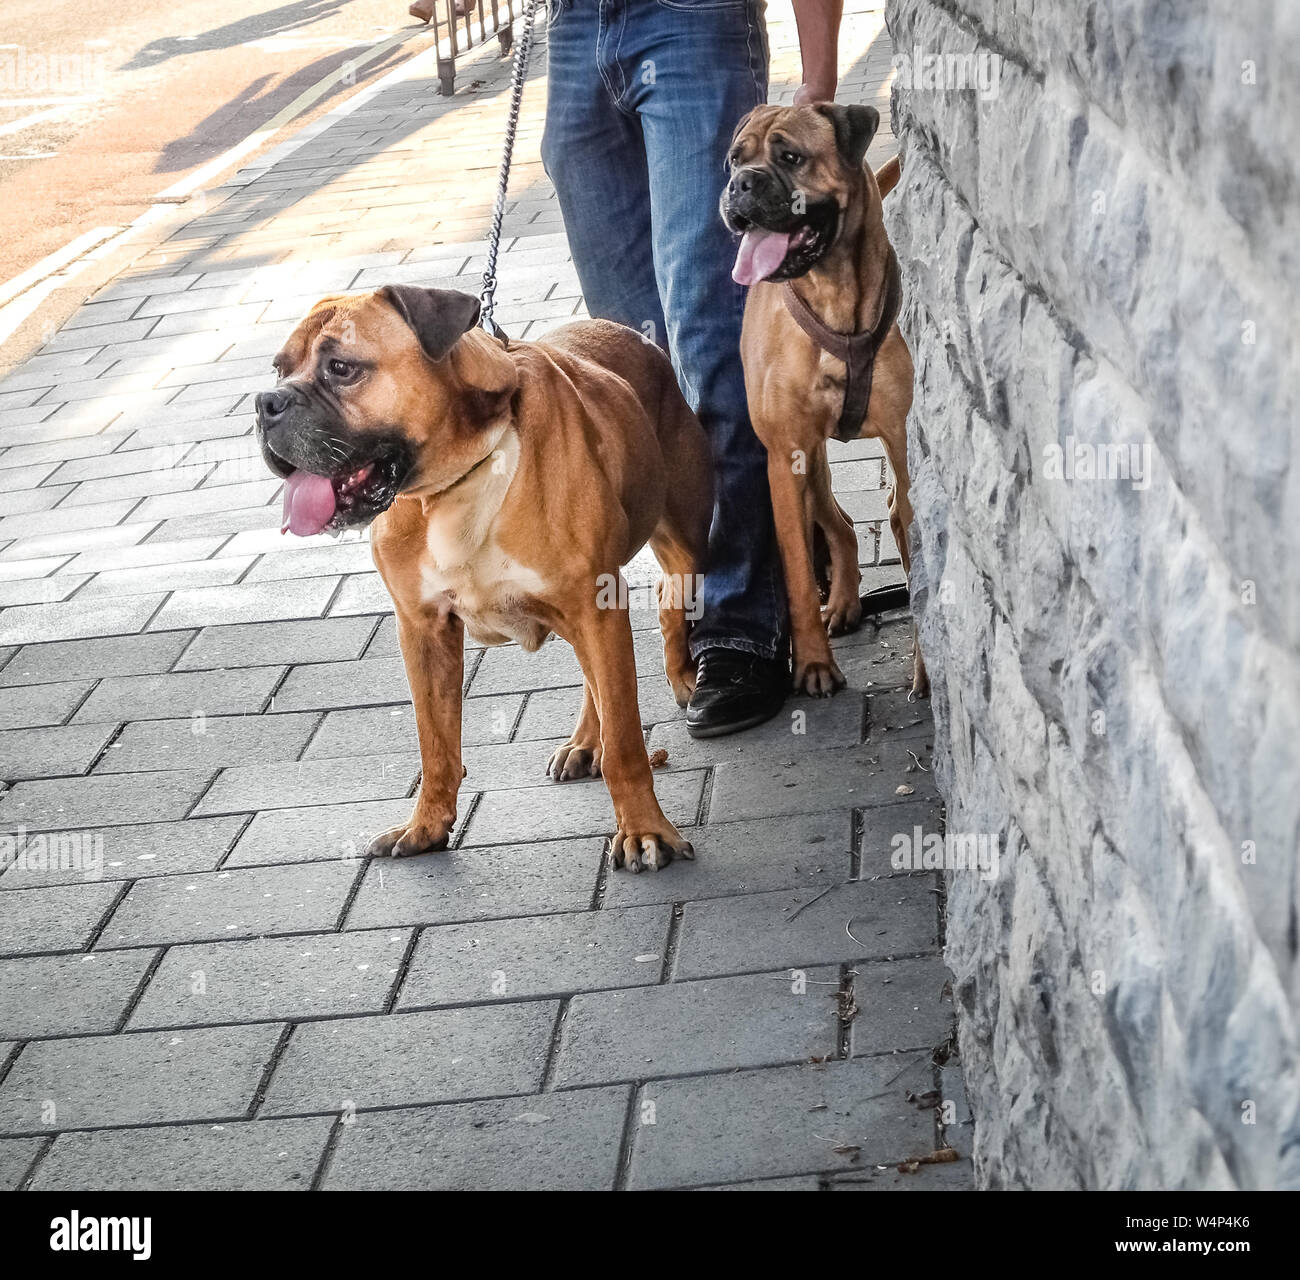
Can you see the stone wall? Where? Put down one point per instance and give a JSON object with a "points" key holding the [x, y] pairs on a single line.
{"points": [[1100, 239]]}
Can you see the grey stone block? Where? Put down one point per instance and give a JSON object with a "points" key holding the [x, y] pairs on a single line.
{"points": [[140, 1078], [811, 782], [39, 705], [804, 725], [264, 1155], [369, 731], [189, 693], [326, 685], [478, 884], [73, 620], [68, 995], [687, 1028], [892, 714], [882, 827], [749, 857], [269, 643], [123, 853], [562, 809], [798, 927], [50, 753], [411, 1058], [208, 743], [273, 979], [550, 710], [903, 1004], [91, 659], [509, 669], [245, 602], [556, 1142], [539, 956], [317, 833], [16, 1156], [91, 803], [831, 1118], [290, 785], [56, 919], [217, 905]]}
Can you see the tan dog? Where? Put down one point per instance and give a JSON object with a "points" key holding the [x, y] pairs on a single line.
{"points": [[809, 211], [507, 486]]}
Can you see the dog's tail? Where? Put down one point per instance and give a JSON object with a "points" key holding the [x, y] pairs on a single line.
{"points": [[888, 174]]}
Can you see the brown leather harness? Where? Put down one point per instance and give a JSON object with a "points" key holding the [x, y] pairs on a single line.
{"points": [[856, 350]]}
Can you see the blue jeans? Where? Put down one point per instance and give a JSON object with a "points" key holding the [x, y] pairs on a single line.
{"points": [[643, 97]]}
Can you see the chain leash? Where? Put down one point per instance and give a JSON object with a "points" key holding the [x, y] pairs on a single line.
{"points": [[518, 73]]}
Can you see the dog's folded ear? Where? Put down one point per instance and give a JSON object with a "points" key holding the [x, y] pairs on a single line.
{"points": [[855, 126], [438, 317]]}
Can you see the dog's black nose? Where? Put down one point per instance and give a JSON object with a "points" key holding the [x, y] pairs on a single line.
{"points": [[742, 183], [271, 404]]}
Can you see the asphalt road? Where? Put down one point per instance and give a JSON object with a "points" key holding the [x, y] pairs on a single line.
{"points": [[105, 104]]}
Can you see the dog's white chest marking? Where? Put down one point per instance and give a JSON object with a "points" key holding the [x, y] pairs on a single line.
{"points": [[464, 565]]}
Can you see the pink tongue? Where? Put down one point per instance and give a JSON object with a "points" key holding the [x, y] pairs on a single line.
{"points": [[308, 503], [761, 252]]}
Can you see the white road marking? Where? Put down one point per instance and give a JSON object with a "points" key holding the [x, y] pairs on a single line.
{"points": [[26, 122]]}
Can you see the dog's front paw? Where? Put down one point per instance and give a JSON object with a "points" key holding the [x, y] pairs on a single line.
{"points": [[416, 836], [574, 760], [818, 679], [840, 616], [648, 847]]}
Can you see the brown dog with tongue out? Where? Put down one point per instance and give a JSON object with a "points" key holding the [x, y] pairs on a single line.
{"points": [[505, 485], [823, 354]]}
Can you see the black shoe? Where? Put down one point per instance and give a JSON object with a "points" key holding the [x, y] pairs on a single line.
{"points": [[734, 691]]}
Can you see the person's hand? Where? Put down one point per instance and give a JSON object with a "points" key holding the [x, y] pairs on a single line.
{"points": [[808, 94]]}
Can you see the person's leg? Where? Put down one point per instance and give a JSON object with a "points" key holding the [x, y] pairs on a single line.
{"points": [[694, 70], [594, 153]]}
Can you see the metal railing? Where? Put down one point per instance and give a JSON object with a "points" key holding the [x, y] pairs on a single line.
{"points": [[459, 25]]}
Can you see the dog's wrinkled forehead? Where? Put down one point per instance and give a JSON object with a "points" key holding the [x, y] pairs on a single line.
{"points": [[766, 129], [357, 326]]}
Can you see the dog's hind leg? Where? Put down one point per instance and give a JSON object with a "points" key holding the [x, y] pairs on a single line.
{"points": [[580, 756], [843, 609], [678, 595]]}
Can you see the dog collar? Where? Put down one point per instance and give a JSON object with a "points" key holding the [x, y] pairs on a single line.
{"points": [[856, 350]]}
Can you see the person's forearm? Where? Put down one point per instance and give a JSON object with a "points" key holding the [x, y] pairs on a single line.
{"points": [[818, 23]]}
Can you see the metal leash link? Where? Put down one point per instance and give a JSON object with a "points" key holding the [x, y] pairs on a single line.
{"points": [[518, 73]]}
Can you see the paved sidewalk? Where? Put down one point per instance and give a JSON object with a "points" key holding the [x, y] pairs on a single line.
{"points": [[204, 984]]}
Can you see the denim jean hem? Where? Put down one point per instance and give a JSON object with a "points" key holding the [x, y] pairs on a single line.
{"points": [[737, 643]]}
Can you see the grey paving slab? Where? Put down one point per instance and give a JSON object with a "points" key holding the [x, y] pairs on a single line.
{"points": [[265, 1155], [686, 1028], [881, 828], [182, 693], [804, 725], [210, 1073], [273, 979], [750, 857], [93, 802], [142, 555], [562, 809], [257, 644], [509, 669], [217, 905], [90, 659], [46, 704], [314, 686], [482, 884], [893, 714], [808, 926], [519, 959], [806, 783], [165, 577], [288, 785], [207, 743], [405, 1059], [556, 1142], [376, 730], [830, 1118], [16, 1156], [361, 593], [316, 833], [902, 1004], [958, 1176], [245, 602], [549, 710], [52, 919], [50, 753], [68, 995], [121, 853], [313, 562], [73, 622]]}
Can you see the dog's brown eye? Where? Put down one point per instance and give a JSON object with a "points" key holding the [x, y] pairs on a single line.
{"points": [[791, 158], [340, 368]]}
